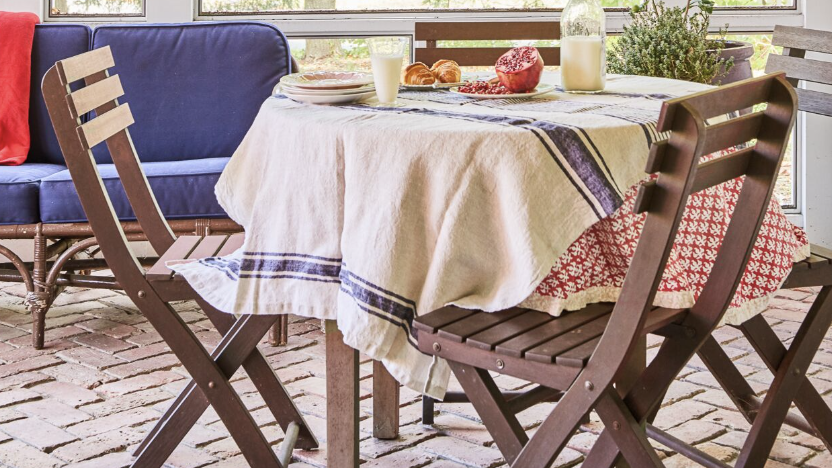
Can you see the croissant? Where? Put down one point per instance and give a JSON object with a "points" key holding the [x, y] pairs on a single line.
{"points": [[418, 74], [446, 71]]}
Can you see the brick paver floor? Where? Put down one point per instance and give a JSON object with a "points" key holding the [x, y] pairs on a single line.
{"points": [[105, 377]]}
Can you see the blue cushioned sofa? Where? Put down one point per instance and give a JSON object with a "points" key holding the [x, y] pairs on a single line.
{"points": [[194, 90]]}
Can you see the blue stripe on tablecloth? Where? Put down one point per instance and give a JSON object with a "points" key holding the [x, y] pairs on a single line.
{"points": [[379, 302], [579, 157], [230, 267]]}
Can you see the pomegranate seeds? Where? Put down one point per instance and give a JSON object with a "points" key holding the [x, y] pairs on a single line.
{"points": [[483, 87]]}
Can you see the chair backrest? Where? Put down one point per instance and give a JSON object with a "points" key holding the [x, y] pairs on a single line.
{"points": [[762, 136], [431, 32], [77, 138], [796, 42]]}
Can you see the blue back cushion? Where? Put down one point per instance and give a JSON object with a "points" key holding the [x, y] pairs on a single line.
{"points": [[52, 42], [194, 89]]}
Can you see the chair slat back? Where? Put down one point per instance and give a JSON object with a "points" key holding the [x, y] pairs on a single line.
{"points": [[431, 32], [677, 161], [97, 94], [796, 42], [110, 125]]}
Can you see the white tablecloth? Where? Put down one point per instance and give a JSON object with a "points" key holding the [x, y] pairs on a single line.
{"points": [[373, 215]]}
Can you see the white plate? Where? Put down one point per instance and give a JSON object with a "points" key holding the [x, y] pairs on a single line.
{"points": [[325, 92], [338, 99], [428, 87], [328, 79], [542, 88]]}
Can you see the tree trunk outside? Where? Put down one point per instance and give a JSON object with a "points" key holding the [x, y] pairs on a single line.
{"points": [[321, 48]]}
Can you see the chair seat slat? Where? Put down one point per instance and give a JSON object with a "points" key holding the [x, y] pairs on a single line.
{"points": [[563, 324], [797, 68], [548, 351], [104, 126], [232, 244], [476, 323], [822, 252], [579, 355], [81, 66], [209, 247], [92, 96], [180, 249], [490, 338], [439, 318]]}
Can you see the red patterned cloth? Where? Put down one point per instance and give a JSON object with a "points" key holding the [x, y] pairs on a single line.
{"points": [[593, 268]]}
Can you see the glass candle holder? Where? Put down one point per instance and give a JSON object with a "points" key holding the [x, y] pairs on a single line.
{"points": [[583, 56]]}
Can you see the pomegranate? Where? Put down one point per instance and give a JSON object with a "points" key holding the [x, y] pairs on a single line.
{"points": [[520, 69]]}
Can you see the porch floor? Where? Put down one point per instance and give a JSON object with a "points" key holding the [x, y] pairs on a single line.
{"points": [[105, 377]]}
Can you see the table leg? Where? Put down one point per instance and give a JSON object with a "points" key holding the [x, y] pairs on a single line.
{"points": [[385, 403], [342, 395]]}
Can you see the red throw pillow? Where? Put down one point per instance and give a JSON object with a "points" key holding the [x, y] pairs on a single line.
{"points": [[17, 30]]}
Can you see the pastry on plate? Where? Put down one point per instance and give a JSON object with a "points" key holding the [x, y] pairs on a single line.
{"points": [[446, 71], [418, 74]]}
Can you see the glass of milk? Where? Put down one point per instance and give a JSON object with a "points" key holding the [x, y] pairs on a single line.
{"points": [[386, 55]]}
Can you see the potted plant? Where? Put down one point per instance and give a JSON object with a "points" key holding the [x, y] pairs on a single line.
{"points": [[673, 42]]}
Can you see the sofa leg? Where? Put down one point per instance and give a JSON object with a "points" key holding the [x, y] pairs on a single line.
{"points": [[279, 333], [39, 300]]}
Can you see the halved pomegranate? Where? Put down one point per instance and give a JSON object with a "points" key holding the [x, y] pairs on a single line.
{"points": [[520, 69]]}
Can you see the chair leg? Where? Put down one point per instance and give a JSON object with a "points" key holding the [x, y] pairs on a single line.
{"points": [[629, 435], [428, 409], [487, 399], [190, 404], [646, 395], [790, 381], [211, 376]]}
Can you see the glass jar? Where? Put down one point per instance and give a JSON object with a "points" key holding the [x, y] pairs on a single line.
{"points": [[583, 56]]}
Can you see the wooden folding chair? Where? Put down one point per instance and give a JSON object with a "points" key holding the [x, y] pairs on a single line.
{"points": [[430, 33], [789, 366], [152, 291], [584, 352]]}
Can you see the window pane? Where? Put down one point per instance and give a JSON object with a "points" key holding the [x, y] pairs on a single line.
{"points": [[96, 8], [334, 54], [755, 3], [259, 6]]}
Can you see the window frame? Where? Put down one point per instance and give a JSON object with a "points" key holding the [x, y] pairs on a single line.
{"points": [[88, 18]]}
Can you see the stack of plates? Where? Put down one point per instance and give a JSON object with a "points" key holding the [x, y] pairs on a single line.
{"points": [[328, 87]]}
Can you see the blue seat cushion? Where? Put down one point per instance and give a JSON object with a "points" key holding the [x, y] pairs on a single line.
{"points": [[194, 89], [183, 189], [52, 42], [19, 191]]}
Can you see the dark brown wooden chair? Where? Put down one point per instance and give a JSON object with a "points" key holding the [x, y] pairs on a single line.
{"points": [[789, 366], [152, 291], [583, 353], [431, 32]]}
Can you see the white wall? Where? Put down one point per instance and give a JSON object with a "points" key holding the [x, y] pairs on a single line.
{"points": [[818, 148]]}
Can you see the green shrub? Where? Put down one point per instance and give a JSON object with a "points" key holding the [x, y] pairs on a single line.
{"points": [[670, 42]]}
